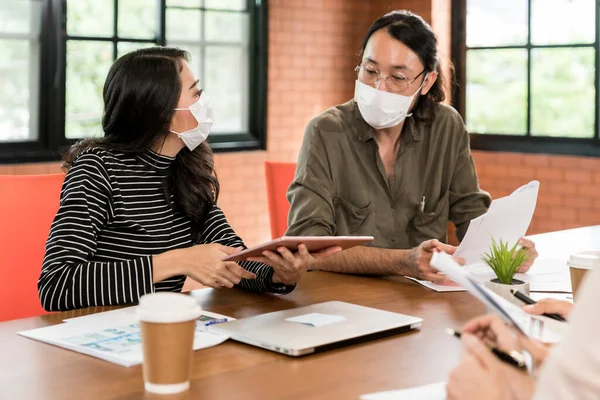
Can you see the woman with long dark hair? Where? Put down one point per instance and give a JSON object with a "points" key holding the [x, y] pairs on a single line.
{"points": [[138, 206]]}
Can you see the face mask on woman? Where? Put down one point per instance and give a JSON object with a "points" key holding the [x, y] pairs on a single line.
{"points": [[203, 113]]}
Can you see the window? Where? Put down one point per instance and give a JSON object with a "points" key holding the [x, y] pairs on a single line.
{"points": [[528, 74], [59, 53], [19, 70], [217, 37]]}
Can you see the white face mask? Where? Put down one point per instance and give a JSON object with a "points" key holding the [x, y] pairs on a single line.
{"points": [[382, 109], [203, 113]]}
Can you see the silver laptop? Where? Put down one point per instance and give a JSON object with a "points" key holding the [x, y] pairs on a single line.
{"points": [[352, 324]]}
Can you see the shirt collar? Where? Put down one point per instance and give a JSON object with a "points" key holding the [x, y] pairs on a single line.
{"points": [[155, 160], [363, 130]]}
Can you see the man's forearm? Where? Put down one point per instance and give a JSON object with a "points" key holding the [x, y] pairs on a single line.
{"points": [[364, 260]]}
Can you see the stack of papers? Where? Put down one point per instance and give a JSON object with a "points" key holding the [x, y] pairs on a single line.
{"points": [[114, 336], [546, 275]]}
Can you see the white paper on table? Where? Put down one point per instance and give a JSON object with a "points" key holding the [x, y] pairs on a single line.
{"points": [[436, 287], [556, 296], [546, 275], [114, 336], [540, 328], [433, 391], [317, 319], [506, 220]]}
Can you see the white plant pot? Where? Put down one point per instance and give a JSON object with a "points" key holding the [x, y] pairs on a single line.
{"points": [[504, 290]]}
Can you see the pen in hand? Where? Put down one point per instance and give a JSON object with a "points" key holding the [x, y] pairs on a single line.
{"points": [[527, 300], [513, 357]]}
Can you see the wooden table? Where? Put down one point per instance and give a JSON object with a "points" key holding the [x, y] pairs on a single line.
{"points": [[32, 370]]}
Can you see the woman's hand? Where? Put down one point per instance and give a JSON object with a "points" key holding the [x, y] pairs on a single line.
{"points": [[550, 306], [289, 267], [492, 331], [481, 375], [203, 263]]}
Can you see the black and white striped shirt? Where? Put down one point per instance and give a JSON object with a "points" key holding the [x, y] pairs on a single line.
{"points": [[113, 217]]}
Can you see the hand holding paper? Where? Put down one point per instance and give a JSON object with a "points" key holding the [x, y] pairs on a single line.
{"points": [[507, 220], [418, 266]]}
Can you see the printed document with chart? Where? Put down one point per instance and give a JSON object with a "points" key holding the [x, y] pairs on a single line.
{"points": [[115, 335]]}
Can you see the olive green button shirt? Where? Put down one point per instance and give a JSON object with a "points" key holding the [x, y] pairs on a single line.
{"points": [[341, 187]]}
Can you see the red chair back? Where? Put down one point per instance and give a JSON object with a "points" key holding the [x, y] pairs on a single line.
{"points": [[28, 205], [279, 176]]}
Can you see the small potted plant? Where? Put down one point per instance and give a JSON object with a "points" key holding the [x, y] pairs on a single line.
{"points": [[505, 262]]}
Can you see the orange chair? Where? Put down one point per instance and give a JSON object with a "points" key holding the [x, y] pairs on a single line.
{"points": [[28, 204], [279, 176]]}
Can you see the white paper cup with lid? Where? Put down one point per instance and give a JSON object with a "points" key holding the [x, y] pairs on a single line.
{"points": [[167, 323], [579, 266]]}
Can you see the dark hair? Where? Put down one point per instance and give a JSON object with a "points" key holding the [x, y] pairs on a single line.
{"points": [[414, 32], [141, 91]]}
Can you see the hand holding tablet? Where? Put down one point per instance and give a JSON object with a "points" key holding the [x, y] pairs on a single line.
{"points": [[313, 244], [291, 257]]}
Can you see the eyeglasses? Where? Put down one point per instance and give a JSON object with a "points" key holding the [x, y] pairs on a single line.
{"points": [[396, 83]]}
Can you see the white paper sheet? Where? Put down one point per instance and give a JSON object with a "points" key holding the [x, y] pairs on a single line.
{"points": [[540, 328], [507, 220], [434, 391], [546, 275], [114, 336], [556, 296], [317, 319], [438, 288]]}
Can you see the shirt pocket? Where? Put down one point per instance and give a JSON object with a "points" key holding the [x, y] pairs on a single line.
{"points": [[430, 225], [353, 220]]}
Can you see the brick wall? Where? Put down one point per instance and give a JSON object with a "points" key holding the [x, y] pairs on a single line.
{"points": [[569, 194], [312, 53]]}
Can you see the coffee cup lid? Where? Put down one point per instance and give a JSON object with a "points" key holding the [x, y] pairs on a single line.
{"points": [[585, 260], [167, 307]]}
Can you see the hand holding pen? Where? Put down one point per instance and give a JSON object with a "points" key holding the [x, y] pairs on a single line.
{"points": [[493, 332], [551, 308], [481, 369], [510, 357]]}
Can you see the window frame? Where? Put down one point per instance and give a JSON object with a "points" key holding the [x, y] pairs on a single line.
{"points": [[51, 141], [521, 143]]}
